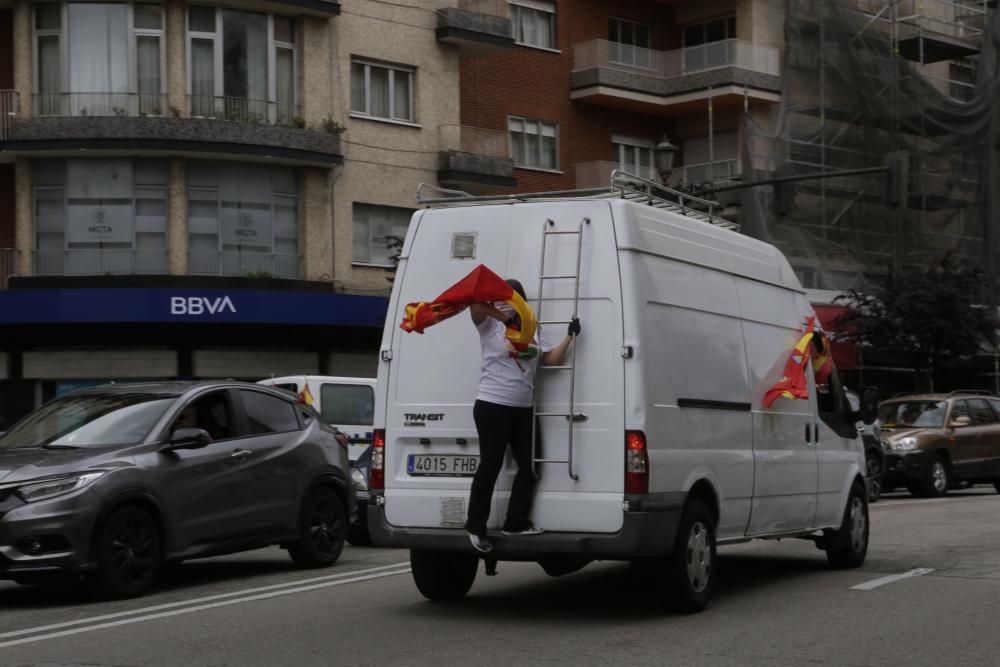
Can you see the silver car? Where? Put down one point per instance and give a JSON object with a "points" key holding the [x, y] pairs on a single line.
{"points": [[109, 483]]}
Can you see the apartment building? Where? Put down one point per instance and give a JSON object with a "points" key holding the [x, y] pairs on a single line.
{"points": [[212, 189]]}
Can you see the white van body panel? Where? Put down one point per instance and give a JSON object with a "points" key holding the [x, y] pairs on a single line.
{"points": [[685, 327], [437, 373], [358, 430]]}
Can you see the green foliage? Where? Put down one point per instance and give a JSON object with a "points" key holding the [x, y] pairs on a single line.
{"points": [[932, 313], [332, 126]]}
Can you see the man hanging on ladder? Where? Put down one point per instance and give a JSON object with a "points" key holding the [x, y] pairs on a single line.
{"points": [[503, 414]]}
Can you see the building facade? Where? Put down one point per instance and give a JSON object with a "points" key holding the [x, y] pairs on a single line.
{"points": [[213, 189]]}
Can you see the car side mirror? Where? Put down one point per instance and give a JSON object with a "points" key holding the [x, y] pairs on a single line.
{"points": [[188, 438], [962, 420]]}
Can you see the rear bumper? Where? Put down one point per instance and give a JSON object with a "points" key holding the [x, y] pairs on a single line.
{"points": [[643, 534]]}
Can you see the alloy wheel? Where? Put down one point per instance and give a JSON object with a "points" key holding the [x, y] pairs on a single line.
{"points": [[699, 557], [133, 550], [939, 477], [326, 525]]}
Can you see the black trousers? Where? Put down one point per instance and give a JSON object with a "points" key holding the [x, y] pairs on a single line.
{"points": [[498, 426]]}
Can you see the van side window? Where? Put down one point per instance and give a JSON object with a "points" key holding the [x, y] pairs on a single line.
{"points": [[347, 404], [834, 410]]}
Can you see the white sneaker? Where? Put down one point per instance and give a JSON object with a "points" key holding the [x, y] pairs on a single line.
{"points": [[480, 544], [530, 529]]}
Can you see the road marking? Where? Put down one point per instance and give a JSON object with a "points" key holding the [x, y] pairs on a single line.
{"points": [[875, 583], [210, 598]]}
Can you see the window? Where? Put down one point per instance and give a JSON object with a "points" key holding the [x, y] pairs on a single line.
{"points": [[981, 413], [241, 65], [962, 84], [213, 413], [268, 414], [710, 31], [352, 404], [99, 59], [534, 143], [242, 218], [534, 23], [95, 216], [378, 233], [710, 159], [382, 91], [634, 156]]}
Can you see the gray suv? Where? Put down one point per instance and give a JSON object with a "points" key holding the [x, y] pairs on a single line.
{"points": [[111, 482]]}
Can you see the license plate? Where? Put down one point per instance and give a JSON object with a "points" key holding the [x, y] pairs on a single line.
{"points": [[442, 465]]}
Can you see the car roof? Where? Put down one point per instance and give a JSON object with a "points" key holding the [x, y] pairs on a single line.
{"points": [[166, 389], [935, 397]]}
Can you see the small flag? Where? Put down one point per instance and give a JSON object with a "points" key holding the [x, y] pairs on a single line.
{"points": [[306, 396], [794, 384]]}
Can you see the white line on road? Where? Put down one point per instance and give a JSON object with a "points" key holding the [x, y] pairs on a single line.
{"points": [[188, 610], [201, 600], [875, 583]]}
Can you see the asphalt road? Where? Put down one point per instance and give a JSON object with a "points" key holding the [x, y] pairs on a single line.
{"points": [[777, 603]]}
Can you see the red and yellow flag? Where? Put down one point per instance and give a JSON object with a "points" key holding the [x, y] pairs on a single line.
{"points": [[481, 285], [306, 396], [794, 384]]}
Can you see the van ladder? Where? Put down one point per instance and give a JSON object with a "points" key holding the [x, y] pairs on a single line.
{"points": [[571, 417]]}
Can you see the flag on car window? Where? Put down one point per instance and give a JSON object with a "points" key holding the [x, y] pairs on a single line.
{"points": [[794, 384], [481, 285], [306, 396]]}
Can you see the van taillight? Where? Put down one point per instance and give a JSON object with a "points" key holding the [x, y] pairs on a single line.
{"points": [[636, 463], [377, 477]]}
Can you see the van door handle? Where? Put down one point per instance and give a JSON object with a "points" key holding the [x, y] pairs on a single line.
{"points": [[241, 454]]}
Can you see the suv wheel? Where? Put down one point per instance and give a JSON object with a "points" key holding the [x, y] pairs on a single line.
{"points": [[322, 529], [935, 483], [128, 554], [848, 546], [443, 576]]}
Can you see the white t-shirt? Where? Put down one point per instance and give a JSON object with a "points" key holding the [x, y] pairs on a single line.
{"points": [[506, 379]]}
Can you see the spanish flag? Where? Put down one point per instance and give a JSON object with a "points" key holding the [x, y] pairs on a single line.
{"points": [[306, 396], [481, 285], [794, 384]]}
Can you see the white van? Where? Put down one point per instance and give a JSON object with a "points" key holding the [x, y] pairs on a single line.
{"points": [[347, 403], [669, 452]]}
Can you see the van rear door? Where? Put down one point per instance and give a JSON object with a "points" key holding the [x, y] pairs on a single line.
{"points": [[432, 379]]}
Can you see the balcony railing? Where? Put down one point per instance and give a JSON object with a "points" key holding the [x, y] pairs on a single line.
{"points": [[475, 140], [244, 110], [100, 262], [8, 265], [600, 53], [100, 104], [709, 172], [8, 110], [489, 7], [598, 174], [235, 263]]}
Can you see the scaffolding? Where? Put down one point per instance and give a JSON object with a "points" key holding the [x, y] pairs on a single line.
{"points": [[867, 83]]}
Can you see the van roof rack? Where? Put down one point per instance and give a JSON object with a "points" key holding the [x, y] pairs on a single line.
{"points": [[623, 185]]}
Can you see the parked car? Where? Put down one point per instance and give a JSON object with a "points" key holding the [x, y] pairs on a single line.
{"points": [[357, 533], [864, 410], [937, 441], [109, 483]]}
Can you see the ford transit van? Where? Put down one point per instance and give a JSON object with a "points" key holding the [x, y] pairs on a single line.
{"points": [[654, 445]]}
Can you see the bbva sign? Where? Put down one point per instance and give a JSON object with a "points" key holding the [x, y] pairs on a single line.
{"points": [[200, 305]]}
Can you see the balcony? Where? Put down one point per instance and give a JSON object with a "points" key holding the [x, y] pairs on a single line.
{"points": [[125, 262], [246, 264], [475, 159], [139, 123], [476, 27], [637, 79], [597, 174]]}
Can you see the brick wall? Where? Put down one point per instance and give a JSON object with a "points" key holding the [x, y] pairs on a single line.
{"points": [[534, 83], [6, 49], [6, 206]]}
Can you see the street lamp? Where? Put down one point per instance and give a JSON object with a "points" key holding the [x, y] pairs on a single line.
{"points": [[664, 154]]}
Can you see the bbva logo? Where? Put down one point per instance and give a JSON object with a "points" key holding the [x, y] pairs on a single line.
{"points": [[199, 305]]}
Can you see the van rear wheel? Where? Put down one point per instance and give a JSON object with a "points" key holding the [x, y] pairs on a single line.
{"points": [[848, 546], [684, 580], [443, 576]]}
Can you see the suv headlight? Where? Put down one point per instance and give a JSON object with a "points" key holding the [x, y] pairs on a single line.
{"points": [[34, 491], [904, 444], [359, 480]]}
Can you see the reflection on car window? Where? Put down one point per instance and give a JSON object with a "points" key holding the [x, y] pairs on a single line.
{"points": [[922, 414], [347, 404], [981, 414], [268, 414], [89, 420]]}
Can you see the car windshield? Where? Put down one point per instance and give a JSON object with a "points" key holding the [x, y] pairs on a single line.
{"points": [[921, 414], [88, 420]]}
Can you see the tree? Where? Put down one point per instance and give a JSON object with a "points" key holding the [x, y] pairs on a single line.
{"points": [[932, 314]]}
